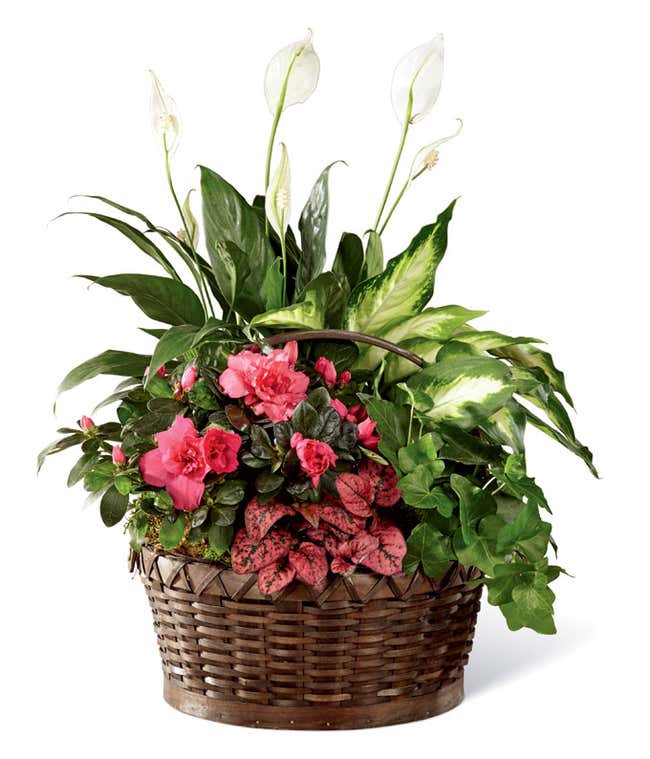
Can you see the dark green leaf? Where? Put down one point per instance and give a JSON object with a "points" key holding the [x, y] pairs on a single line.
{"points": [[374, 263], [118, 363], [172, 531], [349, 260], [173, 344], [113, 506], [430, 548]]}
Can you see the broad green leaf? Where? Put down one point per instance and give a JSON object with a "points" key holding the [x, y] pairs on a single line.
{"points": [[397, 368], [228, 218], [422, 451], [464, 391], [530, 357], [171, 532], [82, 467], [392, 425], [475, 504], [273, 283], [374, 260], [348, 262], [136, 236], [118, 363], [173, 344], [405, 286], [428, 547], [220, 537], [313, 231], [507, 426], [113, 506], [466, 448], [416, 486], [162, 299], [432, 324]]}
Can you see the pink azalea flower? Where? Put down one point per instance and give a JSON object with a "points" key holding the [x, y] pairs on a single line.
{"points": [[87, 424], [117, 454], [341, 408], [327, 370], [368, 438], [177, 464], [269, 383], [220, 450], [344, 378], [315, 456], [189, 377]]}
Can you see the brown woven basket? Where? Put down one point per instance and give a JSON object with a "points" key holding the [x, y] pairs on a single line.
{"points": [[359, 651]]}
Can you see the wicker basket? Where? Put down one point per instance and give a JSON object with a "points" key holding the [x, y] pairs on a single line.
{"points": [[361, 651]]}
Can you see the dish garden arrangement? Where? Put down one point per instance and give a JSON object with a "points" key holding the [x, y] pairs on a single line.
{"points": [[317, 470]]}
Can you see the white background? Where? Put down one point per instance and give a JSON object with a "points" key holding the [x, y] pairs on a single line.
{"points": [[550, 235]]}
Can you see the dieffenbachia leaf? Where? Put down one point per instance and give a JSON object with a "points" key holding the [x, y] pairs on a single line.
{"points": [[228, 218], [160, 298], [489, 340], [118, 363], [397, 368], [530, 357], [507, 426], [572, 445], [405, 286], [313, 231], [464, 391], [374, 259]]}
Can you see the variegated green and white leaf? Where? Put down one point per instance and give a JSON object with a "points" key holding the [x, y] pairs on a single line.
{"points": [[319, 297], [397, 368], [406, 285], [575, 446], [464, 391], [489, 340], [433, 323], [530, 357], [507, 426]]}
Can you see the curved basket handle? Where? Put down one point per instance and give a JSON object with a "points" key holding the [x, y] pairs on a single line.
{"points": [[342, 334]]}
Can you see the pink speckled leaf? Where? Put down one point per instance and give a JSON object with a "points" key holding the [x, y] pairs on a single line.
{"points": [[388, 494], [342, 519], [360, 546], [387, 558], [310, 511], [356, 493], [342, 567], [260, 518], [310, 563], [275, 577], [251, 557]]}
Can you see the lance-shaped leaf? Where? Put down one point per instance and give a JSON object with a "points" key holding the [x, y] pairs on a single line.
{"points": [[374, 263], [162, 299], [406, 285], [313, 231], [229, 218], [348, 262], [488, 340], [530, 357], [574, 446], [464, 391], [174, 343], [118, 363], [397, 368], [507, 426]]}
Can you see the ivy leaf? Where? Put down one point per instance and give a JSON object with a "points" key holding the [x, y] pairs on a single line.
{"points": [[430, 548], [113, 506], [422, 451], [417, 486], [474, 505]]}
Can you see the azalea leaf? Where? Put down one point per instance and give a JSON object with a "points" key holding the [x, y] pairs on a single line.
{"points": [[113, 506], [405, 286]]}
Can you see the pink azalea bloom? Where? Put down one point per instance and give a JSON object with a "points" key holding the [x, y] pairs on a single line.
{"points": [[368, 438], [117, 454], [269, 383], [315, 456], [87, 424], [189, 377], [341, 408], [177, 464], [220, 450], [327, 370]]}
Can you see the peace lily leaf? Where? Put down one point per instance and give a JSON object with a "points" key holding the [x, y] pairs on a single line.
{"points": [[428, 547], [374, 263], [174, 343], [530, 357], [162, 299], [417, 80], [464, 391], [133, 234], [273, 286], [228, 218], [507, 426], [292, 75], [474, 504], [118, 363], [349, 259], [119, 207], [405, 286], [436, 324], [313, 231]]}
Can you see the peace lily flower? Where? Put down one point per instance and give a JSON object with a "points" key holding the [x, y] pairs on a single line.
{"points": [[417, 80], [292, 75], [278, 196], [164, 115]]}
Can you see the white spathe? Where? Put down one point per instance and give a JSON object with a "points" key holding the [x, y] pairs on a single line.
{"points": [[278, 196], [165, 121], [419, 71], [298, 65], [427, 156]]}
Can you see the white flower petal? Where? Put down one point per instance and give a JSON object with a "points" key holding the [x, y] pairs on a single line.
{"points": [[278, 195], [419, 71], [165, 120], [426, 157], [302, 75]]}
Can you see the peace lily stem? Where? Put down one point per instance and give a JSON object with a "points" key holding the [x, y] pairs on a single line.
{"points": [[400, 195], [205, 298], [400, 150]]}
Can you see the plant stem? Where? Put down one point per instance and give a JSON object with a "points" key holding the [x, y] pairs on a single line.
{"points": [[398, 198], [283, 246], [400, 149], [197, 275]]}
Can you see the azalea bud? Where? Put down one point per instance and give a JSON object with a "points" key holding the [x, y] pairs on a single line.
{"points": [[278, 196], [189, 377], [164, 115], [160, 373], [292, 75], [87, 424], [418, 75], [344, 378], [119, 459]]}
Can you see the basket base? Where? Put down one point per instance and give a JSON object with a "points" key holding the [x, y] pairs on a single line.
{"points": [[318, 716]]}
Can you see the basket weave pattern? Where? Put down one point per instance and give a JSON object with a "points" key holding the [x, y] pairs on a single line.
{"points": [[361, 651]]}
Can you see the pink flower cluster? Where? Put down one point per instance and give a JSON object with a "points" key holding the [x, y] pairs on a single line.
{"points": [[327, 371], [268, 383], [183, 458], [315, 456]]}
